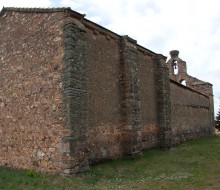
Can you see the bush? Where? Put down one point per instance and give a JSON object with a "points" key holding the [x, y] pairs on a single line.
{"points": [[217, 121]]}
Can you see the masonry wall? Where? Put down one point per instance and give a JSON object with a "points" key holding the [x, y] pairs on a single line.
{"points": [[104, 96], [70, 93], [73, 93], [148, 99], [190, 116], [107, 121], [31, 120]]}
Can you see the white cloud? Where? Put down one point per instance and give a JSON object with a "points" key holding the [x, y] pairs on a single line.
{"points": [[189, 26], [72, 4]]}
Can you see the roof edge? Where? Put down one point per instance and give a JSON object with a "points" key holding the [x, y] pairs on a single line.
{"points": [[186, 87], [34, 10], [41, 10], [78, 15]]}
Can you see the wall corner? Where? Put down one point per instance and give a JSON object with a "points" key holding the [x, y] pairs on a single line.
{"points": [[74, 79]]}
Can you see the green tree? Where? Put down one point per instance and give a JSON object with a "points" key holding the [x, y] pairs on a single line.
{"points": [[217, 121]]}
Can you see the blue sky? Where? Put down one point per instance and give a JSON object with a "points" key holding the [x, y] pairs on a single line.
{"points": [[190, 26]]}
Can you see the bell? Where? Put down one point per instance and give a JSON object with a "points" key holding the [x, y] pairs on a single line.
{"points": [[174, 64]]}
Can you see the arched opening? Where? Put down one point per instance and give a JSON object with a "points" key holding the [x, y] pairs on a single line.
{"points": [[183, 82], [175, 68]]}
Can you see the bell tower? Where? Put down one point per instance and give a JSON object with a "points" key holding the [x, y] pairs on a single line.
{"points": [[177, 68]]}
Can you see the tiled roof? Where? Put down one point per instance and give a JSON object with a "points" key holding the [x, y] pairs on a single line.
{"points": [[41, 10], [36, 9], [68, 10]]}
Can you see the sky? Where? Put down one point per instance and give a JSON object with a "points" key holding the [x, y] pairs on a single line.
{"points": [[190, 26]]}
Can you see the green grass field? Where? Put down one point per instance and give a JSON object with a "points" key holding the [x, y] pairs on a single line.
{"points": [[193, 165]]}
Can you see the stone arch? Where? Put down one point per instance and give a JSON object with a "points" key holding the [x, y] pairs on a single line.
{"points": [[175, 67]]}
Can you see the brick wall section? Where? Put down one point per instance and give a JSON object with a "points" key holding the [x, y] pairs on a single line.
{"points": [[205, 88], [148, 97], [189, 113], [31, 123], [102, 59]]}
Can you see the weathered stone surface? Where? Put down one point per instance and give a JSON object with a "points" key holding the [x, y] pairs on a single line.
{"points": [[104, 129], [74, 87], [163, 102], [130, 92], [148, 97], [73, 93], [31, 121], [192, 106], [190, 117]]}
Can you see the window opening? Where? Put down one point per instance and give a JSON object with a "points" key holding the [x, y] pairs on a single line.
{"points": [[183, 82], [175, 68]]}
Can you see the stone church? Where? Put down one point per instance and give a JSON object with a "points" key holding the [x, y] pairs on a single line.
{"points": [[73, 93]]}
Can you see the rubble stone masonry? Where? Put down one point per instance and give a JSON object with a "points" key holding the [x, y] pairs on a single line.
{"points": [[31, 119], [73, 93]]}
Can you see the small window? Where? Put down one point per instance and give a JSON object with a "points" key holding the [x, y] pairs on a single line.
{"points": [[183, 82], [175, 68]]}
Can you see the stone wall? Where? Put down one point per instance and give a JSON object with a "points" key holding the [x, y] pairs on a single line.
{"points": [[31, 120], [75, 97], [189, 113], [73, 93], [148, 97], [177, 64], [163, 103], [104, 130]]}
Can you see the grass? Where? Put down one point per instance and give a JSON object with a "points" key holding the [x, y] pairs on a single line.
{"points": [[194, 165]]}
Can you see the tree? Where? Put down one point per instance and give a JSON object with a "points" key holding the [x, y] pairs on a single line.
{"points": [[217, 121]]}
